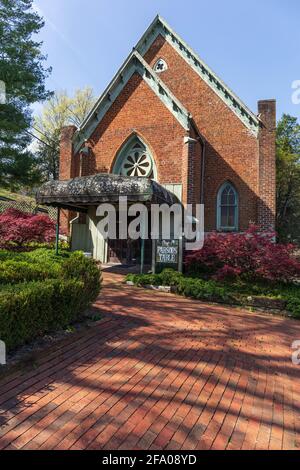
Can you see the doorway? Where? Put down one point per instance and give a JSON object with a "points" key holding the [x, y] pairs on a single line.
{"points": [[128, 251]]}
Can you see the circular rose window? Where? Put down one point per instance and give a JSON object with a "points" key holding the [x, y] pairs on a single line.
{"points": [[137, 163]]}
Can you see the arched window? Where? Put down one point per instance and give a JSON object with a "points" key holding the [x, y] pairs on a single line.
{"points": [[227, 208], [135, 159]]}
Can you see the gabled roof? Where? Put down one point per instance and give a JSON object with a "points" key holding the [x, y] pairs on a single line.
{"points": [[133, 63], [160, 27]]}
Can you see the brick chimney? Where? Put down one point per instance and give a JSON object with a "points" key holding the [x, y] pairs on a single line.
{"points": [[66, 169], [267, 164], [66, 161]]}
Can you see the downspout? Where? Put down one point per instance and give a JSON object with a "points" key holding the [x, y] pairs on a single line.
{"points": [[71, 227], [203, 141], [142, 256], [202, 170]]}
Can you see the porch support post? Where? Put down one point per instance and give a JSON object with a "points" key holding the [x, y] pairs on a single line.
{"points": [[57, 231], [142, 255], [153, 255], [180, 254], [143, 234]]}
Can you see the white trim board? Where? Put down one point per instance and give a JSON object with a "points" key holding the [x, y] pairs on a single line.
{"points": [[160, 27], [134, 63]]}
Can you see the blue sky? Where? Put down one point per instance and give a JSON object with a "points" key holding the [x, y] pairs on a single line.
{"points": [[253, 46]]}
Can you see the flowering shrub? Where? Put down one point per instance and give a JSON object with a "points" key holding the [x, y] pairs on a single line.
{"points": [[252, 255], [20, 228]]}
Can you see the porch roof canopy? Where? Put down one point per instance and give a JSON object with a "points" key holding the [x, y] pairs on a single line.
{"points": [[78, 193]]}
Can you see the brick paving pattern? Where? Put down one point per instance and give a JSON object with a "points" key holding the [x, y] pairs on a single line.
{"points": [[159, 372]]}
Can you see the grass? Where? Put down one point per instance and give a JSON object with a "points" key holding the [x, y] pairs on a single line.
{"points": [[16, 196]]}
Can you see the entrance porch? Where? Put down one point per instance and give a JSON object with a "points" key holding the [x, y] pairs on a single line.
{"points": [[82, 195]]}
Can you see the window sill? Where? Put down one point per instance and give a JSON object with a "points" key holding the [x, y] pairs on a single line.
{"points": [[227, 230]]}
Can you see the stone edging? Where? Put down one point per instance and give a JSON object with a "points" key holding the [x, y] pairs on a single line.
{"points": [[266, 305]]}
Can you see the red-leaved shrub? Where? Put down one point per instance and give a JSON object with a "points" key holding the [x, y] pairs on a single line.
{"points": [[252, 255], [20, 228]]}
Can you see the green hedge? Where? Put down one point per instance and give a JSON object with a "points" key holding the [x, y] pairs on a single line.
{"points": [[40, 256], [13, 272], [168, 277], [41, 292], [215, 291], [83, 269]]}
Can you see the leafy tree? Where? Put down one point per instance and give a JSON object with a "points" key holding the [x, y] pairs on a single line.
{"points": [[288, 178], [59, 111], [23, 74]]}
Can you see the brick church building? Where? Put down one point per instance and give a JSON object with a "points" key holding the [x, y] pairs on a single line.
{"points": [[166, 126]]}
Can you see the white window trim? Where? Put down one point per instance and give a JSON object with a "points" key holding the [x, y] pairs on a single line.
{"points": [[126, 149], [165, 65], [236, 215]]}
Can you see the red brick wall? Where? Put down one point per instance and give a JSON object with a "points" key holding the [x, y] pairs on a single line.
{"points": [[232, 151], [138, 109]]}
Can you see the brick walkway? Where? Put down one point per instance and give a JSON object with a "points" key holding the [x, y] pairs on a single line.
{"points": [[160, 372]]}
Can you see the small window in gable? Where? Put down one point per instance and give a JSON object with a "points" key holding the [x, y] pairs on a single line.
{"points": [[160, 66]]}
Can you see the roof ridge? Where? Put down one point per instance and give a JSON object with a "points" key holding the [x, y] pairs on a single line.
{"points": [[162, 83], [201, 68], [117, 84], [86, 119]]}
